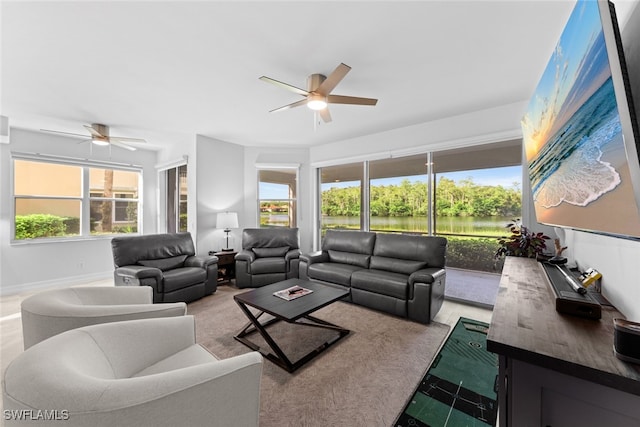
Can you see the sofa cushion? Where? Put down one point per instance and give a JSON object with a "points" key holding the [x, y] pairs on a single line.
{"points": [[360, 260], [268, 265], [270, 252], [396, 265], [381, 282], [164, 264], [128, 250], [357, 242], [332, 272], [428, 249], [270, 238], [179, 278]]}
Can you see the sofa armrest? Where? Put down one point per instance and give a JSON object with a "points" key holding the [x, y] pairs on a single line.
{"points": [[200, 261], [314, 257], [245, 255], [131, 274], [426, 275], [292, 254]]}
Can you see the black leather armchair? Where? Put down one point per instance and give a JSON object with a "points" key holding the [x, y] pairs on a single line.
{"points": [[268, 255], [167, 263]]}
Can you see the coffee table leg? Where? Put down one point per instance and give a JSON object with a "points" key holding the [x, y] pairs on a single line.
{"points": [[280, 358]]}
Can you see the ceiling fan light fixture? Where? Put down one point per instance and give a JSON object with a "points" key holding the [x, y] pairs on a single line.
{"points": [[317, 102], [98, 141]]}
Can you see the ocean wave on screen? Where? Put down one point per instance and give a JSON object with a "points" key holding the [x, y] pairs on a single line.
{"points": [[583, 177]]}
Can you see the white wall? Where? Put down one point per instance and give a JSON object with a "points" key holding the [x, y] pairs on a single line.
{"points": [[490, 125], [219, 186], [33, 265]]}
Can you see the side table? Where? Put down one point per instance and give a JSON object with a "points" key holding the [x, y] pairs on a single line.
{"points": [[226, 266]]}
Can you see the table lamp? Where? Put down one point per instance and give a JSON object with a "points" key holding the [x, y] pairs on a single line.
{"points": [[227, 220]]}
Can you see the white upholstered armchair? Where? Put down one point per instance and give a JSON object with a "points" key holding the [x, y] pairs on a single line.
{"points": [[146, 372], [51, 312]]}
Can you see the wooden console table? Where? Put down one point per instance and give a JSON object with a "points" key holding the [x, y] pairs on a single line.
{"points": [[556, 369]]}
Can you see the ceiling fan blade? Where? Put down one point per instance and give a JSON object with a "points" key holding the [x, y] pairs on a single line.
{"points": [[341, 99], [65, 133], [326, 116], [125, 146], [334, 78], [93, 132], [126, 139], [285, 86], [292, 105]]}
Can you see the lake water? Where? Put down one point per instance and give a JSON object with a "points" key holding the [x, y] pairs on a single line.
{"points": [[483, 226]]}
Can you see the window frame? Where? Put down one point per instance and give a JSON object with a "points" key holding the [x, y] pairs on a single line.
{"points": [[365, 191], [85, 198], [292, 202]]}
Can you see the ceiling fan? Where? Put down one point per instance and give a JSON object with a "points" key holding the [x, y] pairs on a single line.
{"points": [[318, 94], [99, 135]]}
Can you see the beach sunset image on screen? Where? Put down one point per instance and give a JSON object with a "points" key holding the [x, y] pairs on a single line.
{"points": [[573, 136]]}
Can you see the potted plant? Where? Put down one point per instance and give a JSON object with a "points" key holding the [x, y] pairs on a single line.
{"points": [[522, 242]]}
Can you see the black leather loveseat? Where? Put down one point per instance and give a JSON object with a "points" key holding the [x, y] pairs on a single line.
{"points": [[166, 262], [399, 274]]}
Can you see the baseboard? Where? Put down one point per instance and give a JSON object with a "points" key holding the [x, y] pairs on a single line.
{"points": [[55, 283]]}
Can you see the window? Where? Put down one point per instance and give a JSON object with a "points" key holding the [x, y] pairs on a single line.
{"points": [[277, 195], [398, 196], [176, 182], [341, 197], [478, 190], [66, 200], [467, 195], [113, 200]]}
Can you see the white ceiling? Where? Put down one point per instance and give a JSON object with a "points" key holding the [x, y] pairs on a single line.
{"points": [[158, 69]]}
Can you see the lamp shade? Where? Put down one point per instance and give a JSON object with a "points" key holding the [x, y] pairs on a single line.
{"points": [[227, 220]]}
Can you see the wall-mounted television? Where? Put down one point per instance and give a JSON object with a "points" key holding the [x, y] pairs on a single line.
{"points": [[580, 130]]}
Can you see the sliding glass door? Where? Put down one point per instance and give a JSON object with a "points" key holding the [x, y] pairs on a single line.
{"points": [[478, 190], [341, 197], [467, 195]]}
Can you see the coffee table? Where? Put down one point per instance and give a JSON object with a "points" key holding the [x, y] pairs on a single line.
{"points": [[291, 312]]}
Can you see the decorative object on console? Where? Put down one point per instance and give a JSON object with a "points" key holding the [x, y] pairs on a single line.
{"points": [[626, 340], [522, 242], [227, 220]]}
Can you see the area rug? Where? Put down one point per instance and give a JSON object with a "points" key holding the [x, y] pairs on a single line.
{"points": [[363, 380], [460, 387]]}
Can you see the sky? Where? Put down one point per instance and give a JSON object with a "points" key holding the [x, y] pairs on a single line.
{"points": [[505, 177], [570, 68]]}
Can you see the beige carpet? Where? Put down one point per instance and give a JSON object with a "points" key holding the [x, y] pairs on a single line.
{"points": [[364, 379]]}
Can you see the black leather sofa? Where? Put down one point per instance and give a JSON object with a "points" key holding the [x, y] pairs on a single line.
{"points": [[166, 262], [268, 255], [396, 273]]}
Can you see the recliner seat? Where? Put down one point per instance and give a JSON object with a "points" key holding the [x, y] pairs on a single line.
{"points": [[268, 255], [166, 262]]}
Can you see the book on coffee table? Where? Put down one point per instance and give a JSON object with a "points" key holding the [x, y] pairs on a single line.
{"points": [[292, 293]]}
